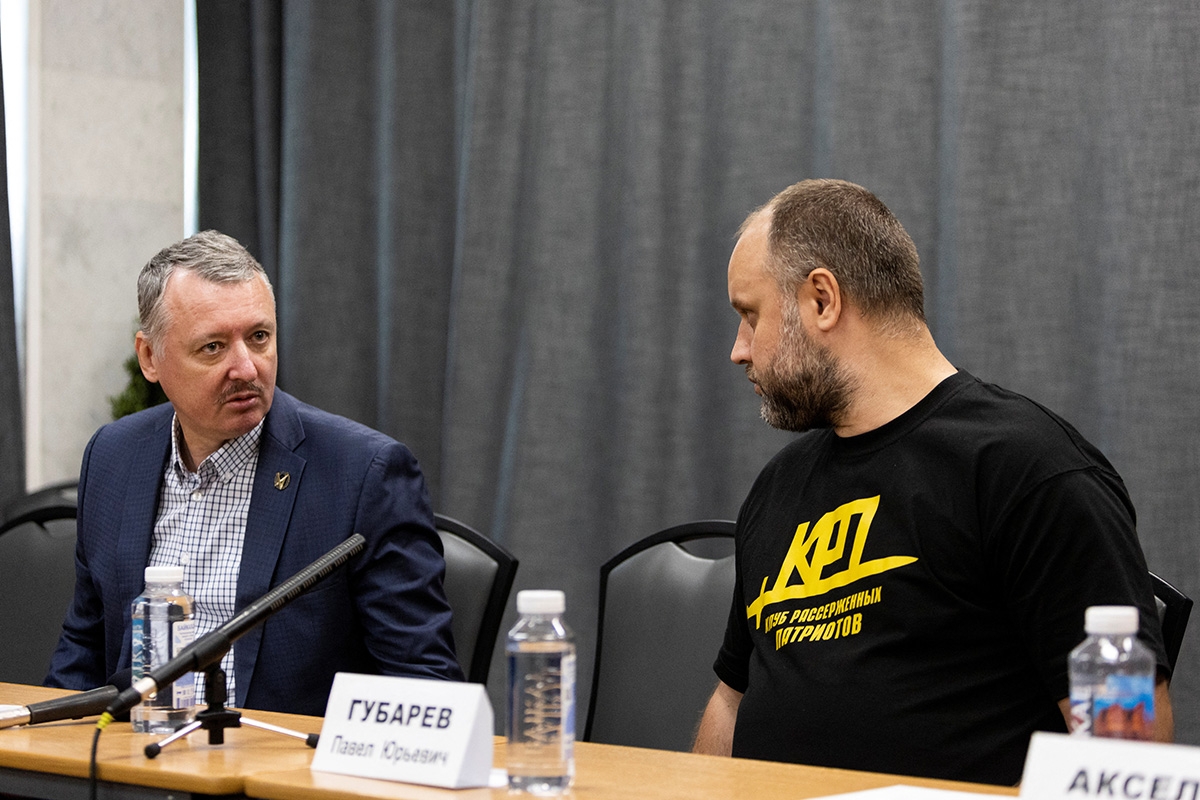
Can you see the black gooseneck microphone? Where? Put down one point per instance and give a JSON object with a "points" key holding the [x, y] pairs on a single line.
{"points": [[83, 704], [210, 648]]}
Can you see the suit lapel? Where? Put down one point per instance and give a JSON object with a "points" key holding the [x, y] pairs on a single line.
{"points": [[148, 460], [276, 483]]}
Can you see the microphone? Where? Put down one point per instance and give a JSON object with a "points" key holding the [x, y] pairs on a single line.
{"points": [[83, 704], [212, 646]]}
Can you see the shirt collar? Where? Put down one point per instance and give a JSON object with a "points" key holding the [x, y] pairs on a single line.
{"points": [[226, 460]]}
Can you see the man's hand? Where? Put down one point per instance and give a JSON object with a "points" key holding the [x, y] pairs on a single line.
{"points": [[1164, 715]]}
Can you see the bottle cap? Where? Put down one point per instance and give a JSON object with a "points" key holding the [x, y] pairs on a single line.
{"points": [[1110, 619], [169, 574], [541, 601]]}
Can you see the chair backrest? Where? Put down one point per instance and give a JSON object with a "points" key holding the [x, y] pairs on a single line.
{"points": [[58, 501], [1174, 608], [479, 576], [37, 579], [663, 612]]}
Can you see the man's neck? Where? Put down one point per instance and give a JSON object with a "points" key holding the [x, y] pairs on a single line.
{"points": [[192, 461], [185, 456], [891, 374]]}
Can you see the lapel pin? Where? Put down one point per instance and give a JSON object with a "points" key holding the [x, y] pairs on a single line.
{"points": [[282, 479]]}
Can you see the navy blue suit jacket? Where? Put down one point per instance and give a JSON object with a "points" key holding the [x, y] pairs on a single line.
{"points": [[383, 612]]}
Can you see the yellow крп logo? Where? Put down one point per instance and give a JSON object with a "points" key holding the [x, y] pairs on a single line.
{"points": [[813, 549]]}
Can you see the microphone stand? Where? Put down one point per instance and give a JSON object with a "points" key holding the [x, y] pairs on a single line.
{"points": [[215, 718], [206, 652]]}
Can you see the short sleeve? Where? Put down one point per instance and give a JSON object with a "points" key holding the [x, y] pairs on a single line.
{"points": [[733, 659], [1070, 543]]}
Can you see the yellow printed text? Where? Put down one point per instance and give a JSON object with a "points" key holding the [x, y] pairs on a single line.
{"points": [[817, 546]]}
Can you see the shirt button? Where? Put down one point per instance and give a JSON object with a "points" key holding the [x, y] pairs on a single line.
{"points": [[196, 495]]}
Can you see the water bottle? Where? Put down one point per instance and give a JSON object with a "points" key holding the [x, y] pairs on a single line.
{"points": [[541, 696], [162, 627], [1112, 677]]}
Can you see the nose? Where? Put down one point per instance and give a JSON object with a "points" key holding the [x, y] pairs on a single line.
{"points": [[741, 345], [241, 363]]}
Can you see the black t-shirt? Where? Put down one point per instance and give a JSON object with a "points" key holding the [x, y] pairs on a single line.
{"points": [[907, 598]]}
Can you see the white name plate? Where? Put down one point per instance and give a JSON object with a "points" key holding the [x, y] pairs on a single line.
{"points": [[1061, 767], [436, 733]]}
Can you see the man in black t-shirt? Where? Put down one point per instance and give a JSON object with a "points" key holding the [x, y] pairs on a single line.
{"points": [[912, 572]]}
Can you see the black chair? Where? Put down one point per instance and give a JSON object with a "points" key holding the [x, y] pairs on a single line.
{"points": [[664, 604], [37, 579], [479, 576], [1174, 608], [58, 501]]}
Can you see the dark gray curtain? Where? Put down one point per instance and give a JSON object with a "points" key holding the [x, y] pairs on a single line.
{"points": [[239, 68], [12, 432], [503, 229], [345, 191]]}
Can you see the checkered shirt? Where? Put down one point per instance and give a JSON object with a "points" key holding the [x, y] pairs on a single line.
{"points": [[201, 524]]}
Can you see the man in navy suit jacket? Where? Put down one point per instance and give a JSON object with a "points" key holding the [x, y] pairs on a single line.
{"points": [[208, 336]]}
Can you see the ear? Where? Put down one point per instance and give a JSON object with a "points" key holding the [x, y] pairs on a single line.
{"points": [[145, 356], [825, 298]]}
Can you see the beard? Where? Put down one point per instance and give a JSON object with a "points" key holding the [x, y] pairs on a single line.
{"points": [[805, 387]]}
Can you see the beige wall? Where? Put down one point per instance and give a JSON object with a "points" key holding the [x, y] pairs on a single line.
{"points": [[106, 193]]}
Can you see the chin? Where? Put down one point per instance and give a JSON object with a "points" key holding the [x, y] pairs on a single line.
{"points": [[245, 422]]}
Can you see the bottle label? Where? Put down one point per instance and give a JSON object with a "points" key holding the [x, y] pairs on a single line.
{"points": [[139, 648], [1081, 710], [183, 633], [568, 700], [1123, 707]]}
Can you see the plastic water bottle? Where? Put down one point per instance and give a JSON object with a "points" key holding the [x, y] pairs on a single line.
{"points": [[1112, 677], [162, 627], [541, 696]]}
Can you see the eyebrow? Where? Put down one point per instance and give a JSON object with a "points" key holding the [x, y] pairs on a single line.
{"points": [[739, 304], [263, 324]]}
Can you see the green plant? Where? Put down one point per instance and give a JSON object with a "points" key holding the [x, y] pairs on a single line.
{"points": [[138, 394]]}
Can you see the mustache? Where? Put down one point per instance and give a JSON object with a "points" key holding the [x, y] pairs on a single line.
{"points": [[240, 388]]}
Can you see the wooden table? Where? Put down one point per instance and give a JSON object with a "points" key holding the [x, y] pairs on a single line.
{"points": [[52, 759], [608, 772]]}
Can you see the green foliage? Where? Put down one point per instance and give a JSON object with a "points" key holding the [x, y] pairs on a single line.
{"points": [[138, 394]]}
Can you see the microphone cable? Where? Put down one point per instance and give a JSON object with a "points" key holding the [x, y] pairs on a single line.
{"points": [[93, 781]]}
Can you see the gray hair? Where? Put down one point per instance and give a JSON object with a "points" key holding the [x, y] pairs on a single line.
{"points": [[849, 231], [212, 255]]}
